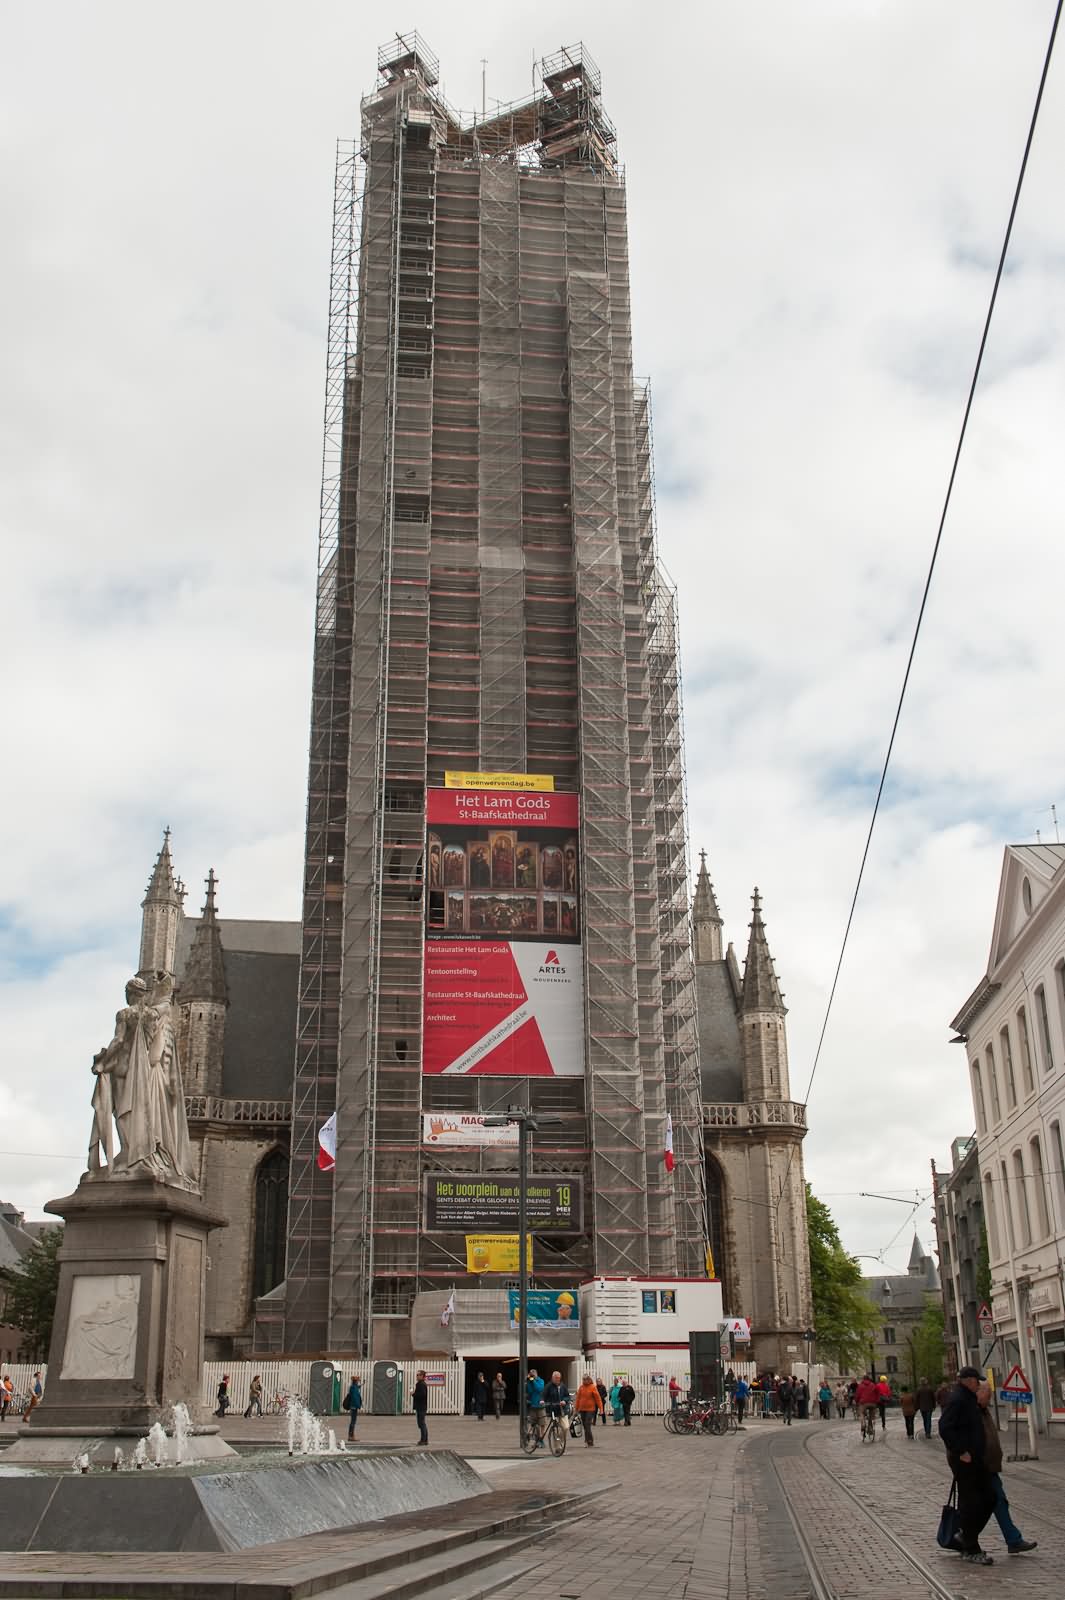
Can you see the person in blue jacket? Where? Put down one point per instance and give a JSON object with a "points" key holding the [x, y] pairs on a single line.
{"points": [[353, 1405]]}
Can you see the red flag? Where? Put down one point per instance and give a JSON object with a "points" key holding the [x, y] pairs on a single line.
{"points": [[327, 1144], [670, 1163]]}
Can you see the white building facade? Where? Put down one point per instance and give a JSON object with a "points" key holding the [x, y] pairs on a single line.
{"points": [[1013, 1026]]}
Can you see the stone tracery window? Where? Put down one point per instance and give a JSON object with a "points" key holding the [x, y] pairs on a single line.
{"points": [[271, 1212]]}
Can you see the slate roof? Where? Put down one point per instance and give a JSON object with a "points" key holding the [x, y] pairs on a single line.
{"points": [[261, 964], [720, 1061]]}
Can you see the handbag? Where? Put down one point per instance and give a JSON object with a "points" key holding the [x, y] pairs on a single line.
{"points": [[949, 1521]]}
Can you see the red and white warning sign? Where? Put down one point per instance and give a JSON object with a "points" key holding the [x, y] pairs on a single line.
{"points": [[1016, 1383]]}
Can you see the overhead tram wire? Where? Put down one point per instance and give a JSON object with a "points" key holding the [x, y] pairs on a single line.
{"points": [[935, 549]]}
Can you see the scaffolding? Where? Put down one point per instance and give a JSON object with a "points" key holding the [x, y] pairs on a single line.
{"points": [[489, 600]]}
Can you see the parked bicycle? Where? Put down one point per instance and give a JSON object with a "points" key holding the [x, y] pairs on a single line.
{"points": [[701, 1416]]}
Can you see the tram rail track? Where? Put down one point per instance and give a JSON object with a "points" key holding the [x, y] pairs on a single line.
{"points": [[926, 1580], [1014, 1481]]}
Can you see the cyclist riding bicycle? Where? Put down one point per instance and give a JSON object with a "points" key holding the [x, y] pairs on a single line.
{"points": [[866, 1400]]}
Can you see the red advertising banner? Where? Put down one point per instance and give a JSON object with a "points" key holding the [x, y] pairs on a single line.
{"points": [[504, 979]]}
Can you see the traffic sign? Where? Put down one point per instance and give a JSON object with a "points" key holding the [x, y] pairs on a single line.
{"points": [[1016, 1390], [984, 1313], [986, 1321]]}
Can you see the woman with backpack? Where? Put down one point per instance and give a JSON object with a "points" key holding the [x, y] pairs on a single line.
{"points": [[353, 1404]]}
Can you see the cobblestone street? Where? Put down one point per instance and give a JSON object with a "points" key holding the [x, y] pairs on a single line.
{"points": [[743, 1517]]}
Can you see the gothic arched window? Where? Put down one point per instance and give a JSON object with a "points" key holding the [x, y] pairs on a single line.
{"points": [[271, 1212], [715, 1206]]}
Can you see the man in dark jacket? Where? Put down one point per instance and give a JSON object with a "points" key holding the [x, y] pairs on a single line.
{"points": [[420, 1403], [961, 1428], [926, 1404], [626, 1394], [1016, 1543]]}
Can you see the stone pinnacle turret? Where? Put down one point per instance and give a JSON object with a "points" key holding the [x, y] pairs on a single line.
{"points": [[707, 923], [161, 909]]}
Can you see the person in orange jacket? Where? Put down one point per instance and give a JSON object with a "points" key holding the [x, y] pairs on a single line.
{"points": [[588, 1402]]}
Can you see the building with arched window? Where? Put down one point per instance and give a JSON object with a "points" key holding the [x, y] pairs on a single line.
{"points": [[236, 984], [752, 1136], [1013, 1029]]}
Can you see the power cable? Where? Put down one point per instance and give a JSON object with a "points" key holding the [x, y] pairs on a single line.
{"points": [[931, 568], [939, 534]]}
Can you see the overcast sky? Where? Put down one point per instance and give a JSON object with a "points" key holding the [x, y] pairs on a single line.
{"points": [[817, 195]]}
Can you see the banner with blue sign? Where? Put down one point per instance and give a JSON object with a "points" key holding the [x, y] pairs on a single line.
{"points": [[546, 1308]]}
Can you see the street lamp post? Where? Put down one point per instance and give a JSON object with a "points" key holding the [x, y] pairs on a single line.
{"points": [[527, 1124]]}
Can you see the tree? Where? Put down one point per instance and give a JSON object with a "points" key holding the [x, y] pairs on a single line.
{"points": [[29, 1290], [983, 1269], [844, 1318], [927, 1343]]}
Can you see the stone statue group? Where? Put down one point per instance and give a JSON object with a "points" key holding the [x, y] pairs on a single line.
{"points": [[139, 1093]]}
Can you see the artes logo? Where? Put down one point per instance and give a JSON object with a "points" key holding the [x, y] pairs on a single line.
{"points": [[551, 966]]}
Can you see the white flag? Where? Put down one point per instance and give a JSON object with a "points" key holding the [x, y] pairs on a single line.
{"points": [[448, 1311], [327, 1144]]}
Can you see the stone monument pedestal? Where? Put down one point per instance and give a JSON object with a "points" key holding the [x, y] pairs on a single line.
{"points": [[127, 1341]]}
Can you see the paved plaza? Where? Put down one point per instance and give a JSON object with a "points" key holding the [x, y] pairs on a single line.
{"points": [[736, 1518]]}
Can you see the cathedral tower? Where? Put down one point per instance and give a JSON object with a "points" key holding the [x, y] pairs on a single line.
{"points": [[490, 606], [753, 1131]]}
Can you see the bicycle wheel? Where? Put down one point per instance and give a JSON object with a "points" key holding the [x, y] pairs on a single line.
{"points": [[529, 1436], [576, 1425], [718, 1423], [556, 1437]]}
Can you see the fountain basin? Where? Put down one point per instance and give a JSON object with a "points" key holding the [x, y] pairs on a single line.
{"points": [[200, 1507], [58, 1447]]}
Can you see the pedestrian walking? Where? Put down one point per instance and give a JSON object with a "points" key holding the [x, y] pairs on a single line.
{"points": [[908, 1407], [1016, 1543], [824, 1400], [614, 1397], [802, 1399], [926, 1404], [7, 1395], [601, 1387], [626, 1394], [420, 1404], [589, 1403], [842, 1400], [742, 1390], [480, 1396], [961, 1428], [353, 1404], [36, 1396], [222, 1396], [674, 1393], [255, 1396], [499, 1394], [785, 1400]]}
